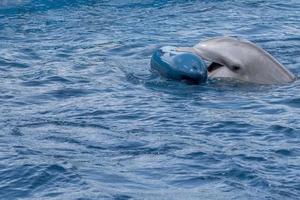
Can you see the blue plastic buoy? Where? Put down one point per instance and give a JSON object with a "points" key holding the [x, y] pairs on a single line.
{"points": [[178, 65]]}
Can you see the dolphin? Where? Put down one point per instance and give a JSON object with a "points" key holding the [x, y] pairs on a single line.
{"points": [[240, 59]]}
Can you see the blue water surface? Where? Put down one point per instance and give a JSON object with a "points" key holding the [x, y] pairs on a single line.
{"points": [[82, 117]]}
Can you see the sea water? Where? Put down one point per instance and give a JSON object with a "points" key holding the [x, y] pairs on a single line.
{"points": [[82, 116]]}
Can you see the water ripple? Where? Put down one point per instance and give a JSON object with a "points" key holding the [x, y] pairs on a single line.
{"points": [[83, 117]]}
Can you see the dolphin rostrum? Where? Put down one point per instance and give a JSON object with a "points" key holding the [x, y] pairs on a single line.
{"points": [[240, 59]]}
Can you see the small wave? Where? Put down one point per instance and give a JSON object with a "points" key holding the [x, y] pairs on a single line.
{"points": [[21, 181]]}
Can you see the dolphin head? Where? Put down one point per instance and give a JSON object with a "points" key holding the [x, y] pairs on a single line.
{"points": [[241, 59]]}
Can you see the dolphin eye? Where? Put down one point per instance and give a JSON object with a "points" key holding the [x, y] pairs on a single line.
{"points": [[235, 68]]}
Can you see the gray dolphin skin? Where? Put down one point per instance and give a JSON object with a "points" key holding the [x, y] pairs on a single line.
{"points": [[242, 60]]}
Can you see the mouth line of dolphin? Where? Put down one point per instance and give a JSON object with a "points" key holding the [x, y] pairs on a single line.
{"points": [[214, 66]]}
